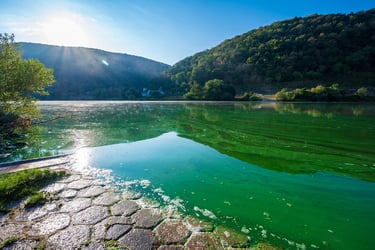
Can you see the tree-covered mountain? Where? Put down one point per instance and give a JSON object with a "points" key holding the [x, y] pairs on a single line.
{"points": [[83, 73], [300, 52]]}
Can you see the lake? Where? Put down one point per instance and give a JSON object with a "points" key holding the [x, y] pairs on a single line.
{"points": [[296, 175]]}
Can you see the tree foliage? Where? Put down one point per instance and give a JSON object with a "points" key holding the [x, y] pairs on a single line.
{"points": [[20, 80], [322, 48], [217, 90], [213, 90], [323, 93]]}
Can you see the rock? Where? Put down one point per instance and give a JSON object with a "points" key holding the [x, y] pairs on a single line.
{"points": [[70, 178], [125, 208], [76, 205], [100, 229], [54, 187], [79, 184], [116, 231], [90, 216], [231, 237], [199, 241], [198, 225], [39, 212], [172, 232], [139, 239], [70, 193], [71, 238], [50, 225], [92, 191], [23, 245], [146, 218], [106, 199], [9, 230]]}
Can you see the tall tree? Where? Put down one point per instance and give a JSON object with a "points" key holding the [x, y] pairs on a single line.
{"points": [[20, 80]]}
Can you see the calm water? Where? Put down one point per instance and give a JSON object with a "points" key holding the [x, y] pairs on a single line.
{"points": [[295, 175]]}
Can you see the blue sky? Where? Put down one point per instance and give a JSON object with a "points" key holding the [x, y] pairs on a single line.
{"points": [[162, 30]]}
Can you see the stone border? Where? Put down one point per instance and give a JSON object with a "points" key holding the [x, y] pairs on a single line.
{"points": [[85, 213]]}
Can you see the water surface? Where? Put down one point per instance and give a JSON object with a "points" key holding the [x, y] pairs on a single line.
{"points": [[295, 175]]}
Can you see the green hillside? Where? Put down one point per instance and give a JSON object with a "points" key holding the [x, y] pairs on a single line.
{"points": [[83, 73], [300, 52]]}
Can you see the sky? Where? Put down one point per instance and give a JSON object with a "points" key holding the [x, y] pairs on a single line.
{"points": [[163, 30]]}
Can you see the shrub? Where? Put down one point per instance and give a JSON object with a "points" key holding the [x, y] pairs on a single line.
{"points": [[362, 92]]}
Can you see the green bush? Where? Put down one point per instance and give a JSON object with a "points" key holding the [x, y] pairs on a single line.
{"points": [[322, 93], [362, 92]]}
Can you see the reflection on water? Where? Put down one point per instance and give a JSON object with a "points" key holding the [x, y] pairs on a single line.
{"points": [[266, 205], [287, 137], [285, 173]]}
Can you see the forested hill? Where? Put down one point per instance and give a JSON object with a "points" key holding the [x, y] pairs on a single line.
{"points": [[293, 53], [83, 73]]}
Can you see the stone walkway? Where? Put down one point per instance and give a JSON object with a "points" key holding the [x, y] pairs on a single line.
{"points": [[84, 213]]}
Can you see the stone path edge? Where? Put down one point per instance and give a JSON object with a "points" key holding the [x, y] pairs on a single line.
{"points": [[85, 213]]}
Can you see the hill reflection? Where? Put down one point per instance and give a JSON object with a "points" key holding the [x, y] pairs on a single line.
{"points": [[293, 138]]}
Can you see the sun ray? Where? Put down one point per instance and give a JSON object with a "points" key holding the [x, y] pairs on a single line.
{"points": [[65, 29]]}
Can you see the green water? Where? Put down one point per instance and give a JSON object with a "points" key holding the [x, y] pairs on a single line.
{"points": [[294, 175]]}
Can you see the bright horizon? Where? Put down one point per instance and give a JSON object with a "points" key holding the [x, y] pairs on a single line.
{"points": [[165, 30]]}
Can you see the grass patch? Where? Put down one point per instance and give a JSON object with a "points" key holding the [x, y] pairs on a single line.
{"points": [[114, 245], [8, 242], [20, 185], [36, 199]]}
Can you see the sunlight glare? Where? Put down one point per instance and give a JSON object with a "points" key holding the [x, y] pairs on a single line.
{"points": [[105, 62], [66, 30]]}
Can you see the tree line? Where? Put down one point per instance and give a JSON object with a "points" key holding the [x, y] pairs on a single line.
{"points": [[291, 53]]}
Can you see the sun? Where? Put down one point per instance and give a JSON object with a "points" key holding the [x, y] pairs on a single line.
{"points": [[65, 30]]}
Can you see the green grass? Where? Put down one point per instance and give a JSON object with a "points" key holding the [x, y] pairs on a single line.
{"points": [[25, 184]]}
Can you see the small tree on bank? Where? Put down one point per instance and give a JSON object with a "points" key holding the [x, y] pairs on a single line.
{"points": [[20, 80]]}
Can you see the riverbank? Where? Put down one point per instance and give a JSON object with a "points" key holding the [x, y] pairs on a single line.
{"points": [[86, 213]]}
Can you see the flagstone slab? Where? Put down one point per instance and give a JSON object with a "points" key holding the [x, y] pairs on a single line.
{"points": [[71, 178], [232, 238], [106, 199], [199, 241], [79, 184], [116, 231], [68, 193], [50, 225], [76, 205], [91, 191], [100, 229], [90, 216], [139, 239], [172, 232], [147, 218], [35, 213], [71, 238], [198, 225], [9, 230], [23, 245], [54, 187], [125, 207]]}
